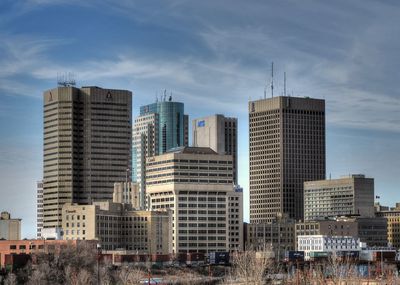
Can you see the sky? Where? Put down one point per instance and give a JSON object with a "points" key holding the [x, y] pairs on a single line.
{"points": [[214, 56]]}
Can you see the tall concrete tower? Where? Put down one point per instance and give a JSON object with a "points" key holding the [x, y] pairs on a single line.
{"points": [[87, 146], [287, 148]]}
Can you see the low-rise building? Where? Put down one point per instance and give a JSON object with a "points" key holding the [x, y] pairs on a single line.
{"points": [[118, 226], [278, 236], [327, 244], [353, 195], [10, 229], [371, 231], [327, 227], [36, 246]]}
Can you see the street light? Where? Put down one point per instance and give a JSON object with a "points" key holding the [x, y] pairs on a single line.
{"points": [[98, 247]]}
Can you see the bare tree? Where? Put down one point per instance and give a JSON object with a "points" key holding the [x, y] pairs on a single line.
{"points": [[251, 267], [130, 275]]}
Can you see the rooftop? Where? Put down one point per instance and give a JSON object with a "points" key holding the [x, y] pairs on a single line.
{"points": [[192, 150]]}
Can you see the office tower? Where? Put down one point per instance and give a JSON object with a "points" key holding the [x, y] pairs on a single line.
{"points": [[160, 127], [87, 146], [218, 133], [172, 125], [145, 143], [353, 195], [196, 184], [287, 148], [118, 226], [10, 229], [39, 209]]}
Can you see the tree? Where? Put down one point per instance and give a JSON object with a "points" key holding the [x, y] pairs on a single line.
{"points": [[251, 267]]}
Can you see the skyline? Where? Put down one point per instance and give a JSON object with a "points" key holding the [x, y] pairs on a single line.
{"points": [[345, 53]]}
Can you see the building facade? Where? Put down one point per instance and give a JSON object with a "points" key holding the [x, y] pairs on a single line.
{"points": [[118, 227], [371, 231], [172, 124], [127, 193], [278, 236], [39, 209], [287, 148], [235, 220], [392, 216], [353, 195], [218, 133], [327, 244], [327, 227], [10, 229], [33, 246], [196, 184], [87, 146], [144, 144]]}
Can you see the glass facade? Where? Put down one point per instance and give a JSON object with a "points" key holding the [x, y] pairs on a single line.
{"points": [[171, 130]]}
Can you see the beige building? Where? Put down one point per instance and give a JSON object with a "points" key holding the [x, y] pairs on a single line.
{"points": [[352, 195], [87, 146], [196, 184], [392, 216], [118, 227], [218, 133], [10, 229], [287, 148], [127, 193]]}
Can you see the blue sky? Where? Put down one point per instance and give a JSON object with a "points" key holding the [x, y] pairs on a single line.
{"points": [[214, 56]]}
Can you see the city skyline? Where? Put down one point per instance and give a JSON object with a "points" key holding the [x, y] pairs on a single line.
{"points": [[348, 60]]}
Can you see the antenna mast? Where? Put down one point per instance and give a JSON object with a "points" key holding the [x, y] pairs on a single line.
{"points": [[272, 79], [66, 80], [284, 83]]}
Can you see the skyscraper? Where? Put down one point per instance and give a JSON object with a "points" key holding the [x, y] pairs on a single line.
{"points": [[87, 146], [218, 133], [161, 126], [145, 143], [287, 148], [172, 125]]}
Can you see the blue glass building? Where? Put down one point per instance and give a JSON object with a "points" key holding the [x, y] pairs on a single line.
{"points": [[172, 124]]}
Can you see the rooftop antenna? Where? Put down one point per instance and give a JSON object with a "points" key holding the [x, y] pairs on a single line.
{"points": [[265, 89], [284, 83], [272, 79], [66, 79], [165, 94], [156, 96]]}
